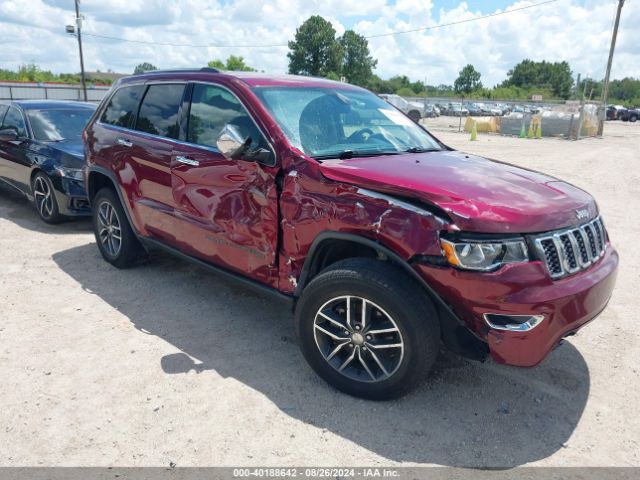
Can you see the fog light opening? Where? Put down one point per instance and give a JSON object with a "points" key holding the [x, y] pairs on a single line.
{"points": [[513, 323]]}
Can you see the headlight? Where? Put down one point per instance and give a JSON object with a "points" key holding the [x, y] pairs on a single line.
{"points": [[74, 173], [484, 255]]}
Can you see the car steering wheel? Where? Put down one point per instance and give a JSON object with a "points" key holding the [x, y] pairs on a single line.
{"points": [[359, 135]]}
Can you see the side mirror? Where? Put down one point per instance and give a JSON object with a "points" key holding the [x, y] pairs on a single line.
{"points": [[8, 135], [230, 142]]}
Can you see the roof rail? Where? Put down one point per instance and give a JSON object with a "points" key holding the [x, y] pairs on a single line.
{"points": [[182, 70]]}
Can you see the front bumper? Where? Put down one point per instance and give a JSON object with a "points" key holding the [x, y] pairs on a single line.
{"points": [[71, 197], [525, 289]]}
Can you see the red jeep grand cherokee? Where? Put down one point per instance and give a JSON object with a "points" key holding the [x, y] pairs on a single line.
{"points": [[386, 241]]}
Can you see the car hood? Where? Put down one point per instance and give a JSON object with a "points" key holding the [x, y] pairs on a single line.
{"points": [[479, 195]]}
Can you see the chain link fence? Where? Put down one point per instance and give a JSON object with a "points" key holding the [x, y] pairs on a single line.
{"points": [[557, 118]]}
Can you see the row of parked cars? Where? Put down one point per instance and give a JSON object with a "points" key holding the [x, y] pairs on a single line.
{"points": [[417, 110], [386, 243], [618, 112]]}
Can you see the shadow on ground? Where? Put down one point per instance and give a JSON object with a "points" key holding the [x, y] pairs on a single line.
{"points": [[17, 208], [468, 414]]}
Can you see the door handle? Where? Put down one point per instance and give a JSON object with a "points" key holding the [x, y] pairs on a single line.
{"points": [[187, 161], [124, 142]]}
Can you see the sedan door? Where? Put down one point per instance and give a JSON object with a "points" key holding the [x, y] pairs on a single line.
{"points": [[14, 159], [226, 209]]}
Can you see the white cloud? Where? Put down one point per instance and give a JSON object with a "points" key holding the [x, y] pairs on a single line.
{"points": [[574, 30]]}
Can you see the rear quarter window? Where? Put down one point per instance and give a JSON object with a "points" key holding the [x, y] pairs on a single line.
{"points": [[122, 106]]}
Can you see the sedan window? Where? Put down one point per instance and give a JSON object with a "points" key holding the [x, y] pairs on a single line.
{"points": [[59, 124], [14, 120]]}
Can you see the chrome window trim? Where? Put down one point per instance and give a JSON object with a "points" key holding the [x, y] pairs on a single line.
{"points": [[184, 142]]}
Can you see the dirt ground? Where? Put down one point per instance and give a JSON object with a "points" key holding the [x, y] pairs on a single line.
{"points": [[166, 363]]}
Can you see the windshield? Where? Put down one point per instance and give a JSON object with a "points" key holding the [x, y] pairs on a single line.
{"points": [[53, 125], [331, 122]]}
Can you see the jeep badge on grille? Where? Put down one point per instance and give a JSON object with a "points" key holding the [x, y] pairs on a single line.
{"points": [[583, 213]]}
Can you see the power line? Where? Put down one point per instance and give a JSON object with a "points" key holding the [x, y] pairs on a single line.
{"points": [[279, 45], [482, 17]]}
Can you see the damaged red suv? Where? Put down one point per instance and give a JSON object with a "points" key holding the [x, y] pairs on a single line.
{"points": [[386, 242]]}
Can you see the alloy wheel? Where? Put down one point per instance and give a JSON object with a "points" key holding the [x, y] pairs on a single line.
{"points": [[109, 230], [358, 338], [43, 197]]}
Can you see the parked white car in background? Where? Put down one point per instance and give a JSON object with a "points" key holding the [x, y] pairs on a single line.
{"points": [[414, 110]]}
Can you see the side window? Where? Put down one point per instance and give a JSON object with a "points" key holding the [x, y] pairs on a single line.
{"points": [[211, 109], [123, 106], [3, 110], [14, 119], [159, 110]]}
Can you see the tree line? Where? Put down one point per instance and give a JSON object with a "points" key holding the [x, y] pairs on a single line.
{"points": [[317, 50]]}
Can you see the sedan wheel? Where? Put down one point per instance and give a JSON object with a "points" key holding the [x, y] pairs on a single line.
{"points": [[44, 198]]}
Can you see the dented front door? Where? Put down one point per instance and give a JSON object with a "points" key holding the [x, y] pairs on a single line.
{"points": [[226, 210]]}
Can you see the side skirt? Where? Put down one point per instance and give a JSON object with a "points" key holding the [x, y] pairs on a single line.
{"points": [[241, 280]]}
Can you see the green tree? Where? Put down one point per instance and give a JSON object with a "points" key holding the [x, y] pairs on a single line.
{"points": [[234, 64], [218, 64], [357, 62], [314, 50], [468, 80], [144, 67], [527, 74]]}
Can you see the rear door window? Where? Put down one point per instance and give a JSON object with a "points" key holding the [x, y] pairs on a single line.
{"points": [[14, 119], [159, 110], [122, 106]]}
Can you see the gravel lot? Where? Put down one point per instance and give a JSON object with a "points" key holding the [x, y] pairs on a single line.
{"points": [[167, 363]]}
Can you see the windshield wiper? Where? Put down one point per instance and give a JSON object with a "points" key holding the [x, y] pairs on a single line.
{"points": [[346, 154], [421, 150]]}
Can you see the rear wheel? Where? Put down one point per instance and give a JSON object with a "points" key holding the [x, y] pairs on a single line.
{"points": [[44, 198], [368, 329], [633, 118], [414, 115], [116, 240]]}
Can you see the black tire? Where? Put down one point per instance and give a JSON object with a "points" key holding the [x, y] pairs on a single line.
{"points": [[414, 115], [633, 118], [388, 290], [107, 209], [44, 199]]}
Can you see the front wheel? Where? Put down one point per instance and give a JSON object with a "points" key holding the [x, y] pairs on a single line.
{"points": [[368, 329], [44, 198], [116, 240]]}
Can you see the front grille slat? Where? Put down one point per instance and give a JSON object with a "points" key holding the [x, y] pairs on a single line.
{"points": [[569, 251], [582, 247]]}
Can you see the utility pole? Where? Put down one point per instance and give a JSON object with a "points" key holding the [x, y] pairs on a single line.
{"points": [[79, 33], [605, 87]]}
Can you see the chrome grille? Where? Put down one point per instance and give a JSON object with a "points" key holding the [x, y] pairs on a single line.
{"points": [[569, 251]]}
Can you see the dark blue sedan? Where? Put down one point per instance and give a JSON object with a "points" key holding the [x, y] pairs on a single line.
{"points": [[42, 154]]}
